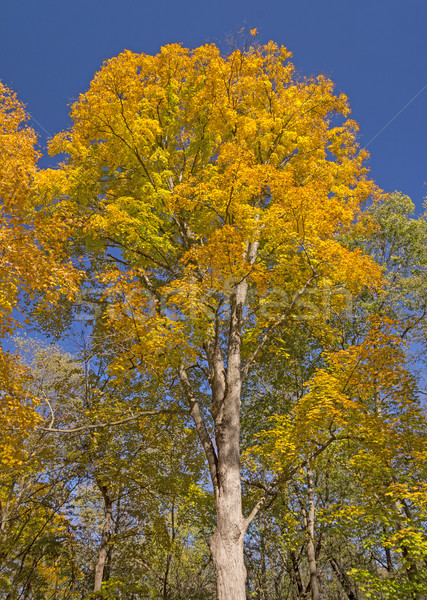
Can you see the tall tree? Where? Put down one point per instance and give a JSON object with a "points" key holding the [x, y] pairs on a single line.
{"points": [[207, 196]]}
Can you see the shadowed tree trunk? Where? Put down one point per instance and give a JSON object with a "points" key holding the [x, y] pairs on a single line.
{"points": [[311, 551], [295, 575], [105, 538], [343, 579], [308, 521]]}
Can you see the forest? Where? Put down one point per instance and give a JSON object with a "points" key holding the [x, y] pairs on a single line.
{"points": [[213, 360]]}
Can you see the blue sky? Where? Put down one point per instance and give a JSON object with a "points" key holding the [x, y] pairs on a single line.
{"points": [[375, 51]]}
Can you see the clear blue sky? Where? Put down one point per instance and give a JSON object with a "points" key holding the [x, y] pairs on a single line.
{"points": [[374, 50]]}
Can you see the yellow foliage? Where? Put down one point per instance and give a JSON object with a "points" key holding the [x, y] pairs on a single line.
{"points": [[26, 264], [17, 415], [363, 393], [181, 161]]}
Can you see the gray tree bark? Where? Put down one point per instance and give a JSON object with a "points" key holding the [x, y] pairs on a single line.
{"points": [[225, 380], [226, 544]]}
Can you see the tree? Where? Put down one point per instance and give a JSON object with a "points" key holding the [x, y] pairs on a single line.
{"points": [[121, 508], [370, 483], [26, 266], [207, 196], [369, 496], [17, 167]]}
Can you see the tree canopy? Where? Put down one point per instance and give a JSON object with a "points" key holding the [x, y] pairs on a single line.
{"points": [[241, 286]]}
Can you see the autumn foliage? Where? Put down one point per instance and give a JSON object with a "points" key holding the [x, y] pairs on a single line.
{"points": [[182, 161], [208, 237]]}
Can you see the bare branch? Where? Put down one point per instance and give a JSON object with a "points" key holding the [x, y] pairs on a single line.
{"points": [[144, 413], [200, 427], [52, 420]]}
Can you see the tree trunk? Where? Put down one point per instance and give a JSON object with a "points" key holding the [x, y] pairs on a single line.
{"points": [[226, 544], [343, 579], [409, 562], [105, 538], [230, 570], [263, 593], [308, 521], [295, 575], [169, 556], [311, 551]]}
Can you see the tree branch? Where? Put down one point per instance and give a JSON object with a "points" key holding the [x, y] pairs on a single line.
{"points": [[144, 413], [266, 335], [202, 432], [281, 479]]}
